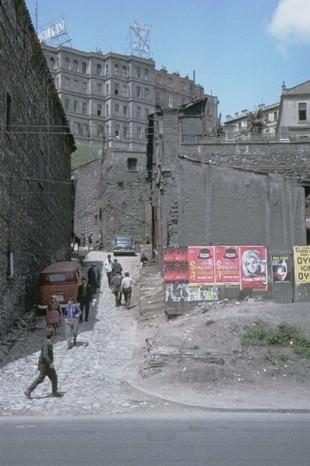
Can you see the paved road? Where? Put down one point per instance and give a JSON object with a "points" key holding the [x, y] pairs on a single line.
{"points": [[92, 375], [209, 440]]}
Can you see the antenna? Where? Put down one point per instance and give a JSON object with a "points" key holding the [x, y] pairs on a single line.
{"points": [[55, 33], [140, 40]]}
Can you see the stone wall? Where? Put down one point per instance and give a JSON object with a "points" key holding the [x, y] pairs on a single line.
{"points": [[35, 186]]}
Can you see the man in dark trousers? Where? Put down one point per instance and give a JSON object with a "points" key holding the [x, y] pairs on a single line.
{"points": [[116, 282], [46, 367], [84, 298], [92, 279]]}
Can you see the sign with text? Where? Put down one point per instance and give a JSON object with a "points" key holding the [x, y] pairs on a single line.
{"points": [[176, 265], [201, 264], [281, 268], [302, 264], [227, 265]]}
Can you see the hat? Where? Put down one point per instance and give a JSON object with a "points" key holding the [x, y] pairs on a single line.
{"points": [[205, 254]]}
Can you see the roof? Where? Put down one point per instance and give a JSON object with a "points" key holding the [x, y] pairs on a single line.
{"points": [[66, 266], [303, 88]]}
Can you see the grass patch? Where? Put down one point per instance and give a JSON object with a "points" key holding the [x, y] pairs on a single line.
{"points": [[261, 334]]}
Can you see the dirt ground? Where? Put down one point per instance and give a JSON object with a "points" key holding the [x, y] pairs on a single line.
{"points": [[198, 358]]}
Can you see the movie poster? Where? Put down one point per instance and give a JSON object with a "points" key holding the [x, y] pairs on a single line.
{"points": [[176, 265], [253, 267], [201, 264], [227, 265], [281, 269], [302, 264]]}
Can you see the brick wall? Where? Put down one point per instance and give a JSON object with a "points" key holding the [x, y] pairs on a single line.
{"points": [[35, 186]]}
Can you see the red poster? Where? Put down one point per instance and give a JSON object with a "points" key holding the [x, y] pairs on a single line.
{"points": [[175, 265], [201, 264], [227, 265], [253, 267]]}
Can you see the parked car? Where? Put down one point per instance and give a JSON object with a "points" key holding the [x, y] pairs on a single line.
{"points": [[61, 279], [123, 244]]}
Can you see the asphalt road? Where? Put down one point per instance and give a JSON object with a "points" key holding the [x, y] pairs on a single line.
{"points": [[211, 439]]}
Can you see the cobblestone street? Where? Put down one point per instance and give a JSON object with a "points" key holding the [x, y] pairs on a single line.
{"points": [[92, 375]]}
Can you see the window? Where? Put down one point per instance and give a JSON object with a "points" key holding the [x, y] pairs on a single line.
{"points": [[146, 112], [84, 86], [125, 110], [106, 69], [84, 68], [84, 110], [138, 72], [116, 109], [139, 132], [67, 103], [138, 92], [99, 109], [67, 83], [125, 132], [100, 131], [138, 112], [75, 85], [107, 89], [146, 93], [75, 106], [124, 71], [8, 112], [98, 71], [116, 131], [170, 100], [124, 90], [52, 63], [146, 74], [302, 111], [116, 88], [75, 66], [76, 128], [116, 68], [275, 115], [85, 130], [132, 164], [107, 110], [99, 88], [67, 63]]}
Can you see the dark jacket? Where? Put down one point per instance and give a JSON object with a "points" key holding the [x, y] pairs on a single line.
{"points": [[116, 282], [87, 296], [91, 275], [46, 356], [116, 267]]}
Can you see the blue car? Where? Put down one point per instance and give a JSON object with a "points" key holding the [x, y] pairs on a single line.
{"points": [[123, 244]]}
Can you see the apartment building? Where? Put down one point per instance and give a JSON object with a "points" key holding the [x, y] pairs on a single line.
{"points": [[108, 97]]}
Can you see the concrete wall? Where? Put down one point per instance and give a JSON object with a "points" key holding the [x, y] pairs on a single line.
{"points": [[35, 186]]}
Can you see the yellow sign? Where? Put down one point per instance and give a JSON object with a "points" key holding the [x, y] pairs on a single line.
{"points": [[302, 264]]}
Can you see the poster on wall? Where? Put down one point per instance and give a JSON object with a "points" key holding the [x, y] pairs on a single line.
{"points": [[176, 265], [253, 267], [302, 264], [227, 265], [203, 293], [201, 264], [177, 292], [281, 269]]}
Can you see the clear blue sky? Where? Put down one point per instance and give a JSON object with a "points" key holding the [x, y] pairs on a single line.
{"points": [[241, 50]]}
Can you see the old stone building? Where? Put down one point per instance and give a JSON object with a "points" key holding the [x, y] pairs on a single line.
{"points": [[209, 193], [35, 148], [107, 99]]}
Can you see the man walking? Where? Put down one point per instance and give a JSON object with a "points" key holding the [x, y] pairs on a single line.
{"points": [[72, 318], [46, 367], [84, 298], [116, 267], [108, 268], [92, 279], [126, 288], [116, 282]]}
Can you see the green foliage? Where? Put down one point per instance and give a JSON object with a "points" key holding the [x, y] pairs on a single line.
{"points": [[261, 334], [83, 155]]}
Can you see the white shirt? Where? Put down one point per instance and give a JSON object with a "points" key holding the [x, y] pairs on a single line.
{"points": [[126, 282], [108, 266]]}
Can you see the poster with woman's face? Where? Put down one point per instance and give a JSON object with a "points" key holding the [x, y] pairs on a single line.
{"points": [[253, 267]]}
